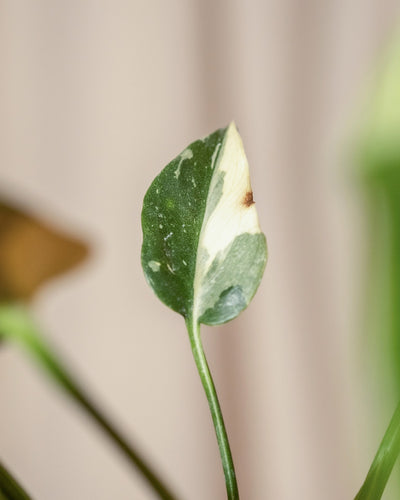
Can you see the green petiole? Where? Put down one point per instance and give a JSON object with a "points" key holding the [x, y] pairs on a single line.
{"points": [[193, 328]]}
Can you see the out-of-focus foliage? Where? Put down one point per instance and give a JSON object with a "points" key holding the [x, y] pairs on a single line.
{"points": [[378, 159], [379, 139], [31, 252], [10, 489]]}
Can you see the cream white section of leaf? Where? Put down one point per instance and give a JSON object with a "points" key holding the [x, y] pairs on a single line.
{"points": [[187, 154], [230, 217], [227, 215], [154, 266]]}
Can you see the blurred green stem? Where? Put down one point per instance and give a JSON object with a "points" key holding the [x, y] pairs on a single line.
{"points": [[193, 328], [383, 463], [393, 200], [17, 326], [385, 299], [9, 487]]}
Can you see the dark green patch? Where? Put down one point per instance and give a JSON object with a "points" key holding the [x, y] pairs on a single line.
{"points": [[233, 279], [172, 217]]}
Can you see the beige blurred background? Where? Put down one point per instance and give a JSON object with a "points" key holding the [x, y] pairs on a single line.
{"points": [[95, 98]]}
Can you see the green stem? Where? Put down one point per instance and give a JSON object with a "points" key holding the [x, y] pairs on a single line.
{"points": [[16, 325], [10, 489], [383, 463], [193, 328]]}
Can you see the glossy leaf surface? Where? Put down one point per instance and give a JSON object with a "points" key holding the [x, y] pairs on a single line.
{"points": [[203, 251]]}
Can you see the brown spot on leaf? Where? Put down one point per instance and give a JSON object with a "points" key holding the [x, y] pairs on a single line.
{"points": [[248, 199]]}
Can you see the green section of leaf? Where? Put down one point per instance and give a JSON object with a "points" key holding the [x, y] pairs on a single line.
{"points": [[203, 252], [224, 293], [225, 308], [173, 212]]}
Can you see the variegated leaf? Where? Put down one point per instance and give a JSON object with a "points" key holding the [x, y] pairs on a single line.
{"points": [[203, 251]]}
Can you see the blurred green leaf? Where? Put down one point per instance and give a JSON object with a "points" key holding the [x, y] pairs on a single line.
{"points": [[16, 325], [378, 158], [378, 143], [382, 465], [10, 489]]}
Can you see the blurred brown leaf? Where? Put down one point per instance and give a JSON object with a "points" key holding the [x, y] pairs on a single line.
{"points": [[31, 252]]}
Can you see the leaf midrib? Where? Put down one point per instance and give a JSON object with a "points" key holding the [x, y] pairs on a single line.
{"points": [[196, 285]]}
